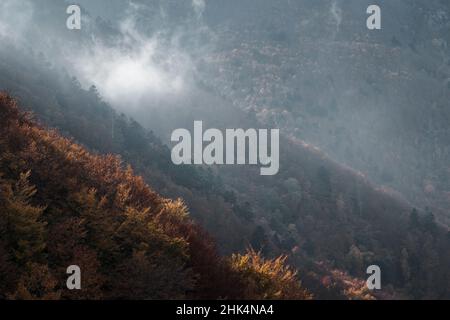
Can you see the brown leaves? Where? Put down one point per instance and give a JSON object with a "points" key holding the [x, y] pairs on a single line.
{"points": [[267, 279]]}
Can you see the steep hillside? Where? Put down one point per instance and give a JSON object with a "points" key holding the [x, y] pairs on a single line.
{"points": [[324, 82], [224, 210], [324, 216], [61, 206], [376, 101]]}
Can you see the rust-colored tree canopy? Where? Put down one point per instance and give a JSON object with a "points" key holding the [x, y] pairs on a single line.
{"points": [[61, 205]]}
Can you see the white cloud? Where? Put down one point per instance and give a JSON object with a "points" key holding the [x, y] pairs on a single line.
{"points": [[336, 13], [199, 7], [136, 69]]}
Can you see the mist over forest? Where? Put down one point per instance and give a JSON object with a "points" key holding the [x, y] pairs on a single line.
{"points": [[363, 116]]}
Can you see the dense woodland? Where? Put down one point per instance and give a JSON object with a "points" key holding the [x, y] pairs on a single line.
{"points": [[329, 220], [61, 205], [61, 201]]}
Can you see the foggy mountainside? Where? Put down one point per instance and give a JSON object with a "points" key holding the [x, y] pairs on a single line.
{"points": [[364, 150]]}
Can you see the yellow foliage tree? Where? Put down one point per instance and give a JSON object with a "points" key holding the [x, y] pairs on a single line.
{"points": [[267, 278]]}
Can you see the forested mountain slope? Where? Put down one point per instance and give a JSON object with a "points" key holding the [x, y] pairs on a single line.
{"points": [[376, 101], [314, 209], [330, 219], [61, 205]]}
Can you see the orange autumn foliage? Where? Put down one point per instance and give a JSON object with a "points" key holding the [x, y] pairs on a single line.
{"points": [[61, 205]]}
